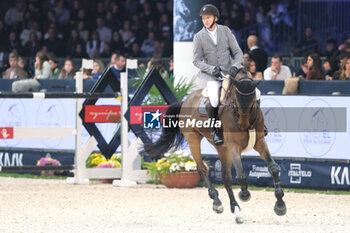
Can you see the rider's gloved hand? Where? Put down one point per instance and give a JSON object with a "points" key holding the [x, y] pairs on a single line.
{"points": [[233, 71], [217, 72]]}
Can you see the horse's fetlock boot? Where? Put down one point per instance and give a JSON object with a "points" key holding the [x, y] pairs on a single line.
{"points": [[213, 193], [279, 194], [274, 168]]}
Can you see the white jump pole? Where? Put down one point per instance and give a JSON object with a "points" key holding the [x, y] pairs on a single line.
{"points": [[131, 161]]}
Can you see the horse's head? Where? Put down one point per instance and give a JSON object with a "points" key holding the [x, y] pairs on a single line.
{"points": [[243, 94]]}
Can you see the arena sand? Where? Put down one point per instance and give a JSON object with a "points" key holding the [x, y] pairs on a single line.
{"points": [[38, 205]]}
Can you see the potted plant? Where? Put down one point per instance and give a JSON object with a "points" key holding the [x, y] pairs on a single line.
{"points": [[174, 170], [99, 161], [47, 161]]}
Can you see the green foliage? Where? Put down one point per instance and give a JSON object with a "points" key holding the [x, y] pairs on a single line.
{"points": [[154, 97]]}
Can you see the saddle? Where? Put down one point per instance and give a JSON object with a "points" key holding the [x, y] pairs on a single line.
{"points": [[223, 96]]}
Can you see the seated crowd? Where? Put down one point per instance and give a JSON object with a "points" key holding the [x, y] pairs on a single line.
{"points": [[335, 67]]}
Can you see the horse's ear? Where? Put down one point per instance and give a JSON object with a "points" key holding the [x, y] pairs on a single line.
{"points": [[235, 82], [255, 83]]}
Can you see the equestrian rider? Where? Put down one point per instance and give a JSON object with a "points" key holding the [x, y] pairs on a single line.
{"points": [[212, 48]]}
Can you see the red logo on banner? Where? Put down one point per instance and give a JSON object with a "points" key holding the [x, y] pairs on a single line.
{"points": [[136, 112], [6, 132], [102, 113]]}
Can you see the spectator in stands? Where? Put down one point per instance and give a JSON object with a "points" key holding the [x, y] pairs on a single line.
{"points": [[42, 71], [314, 65], [97, 69], [14, 15], [106, 50], [104, 32], [331, 48], [62, 14], [54, 44], [79, 52], [13, 43], [147, 46], [277, 71], [26, 33], [94, 43], [113, 59], [247, 56], [251, 68], [67, 71], [3, 33], [344, 72], [42, 66], [259, 55], [157, 63], [83, 32], [14, 71], [135, 51], [54, 67], [329, 67], [23, 64], [32, 46], [308, 45], [303, 69], [119, 67], [73, 40], [117, 44]]}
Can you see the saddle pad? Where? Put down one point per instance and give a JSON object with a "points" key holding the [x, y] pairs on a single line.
{"points": [[225, 85], [201, 109], [251, 141]]}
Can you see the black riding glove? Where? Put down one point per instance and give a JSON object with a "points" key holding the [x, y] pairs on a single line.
{"points": [[217, 72], [233, 71]]}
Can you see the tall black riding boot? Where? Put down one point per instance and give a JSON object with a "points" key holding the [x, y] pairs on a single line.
{"points": [[216, 133]]}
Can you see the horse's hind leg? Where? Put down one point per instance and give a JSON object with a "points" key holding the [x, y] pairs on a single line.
{"points": [[194, 142], [226, 158], [261, 147]]}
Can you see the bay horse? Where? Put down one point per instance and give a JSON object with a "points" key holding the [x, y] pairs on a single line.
{"points": [[240, 112]]}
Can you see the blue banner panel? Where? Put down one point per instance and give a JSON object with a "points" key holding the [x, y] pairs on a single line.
{"points": [[26, 157], [300, 174]]}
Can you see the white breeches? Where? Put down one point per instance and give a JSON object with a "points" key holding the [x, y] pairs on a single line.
{"points": [[214, 93]]}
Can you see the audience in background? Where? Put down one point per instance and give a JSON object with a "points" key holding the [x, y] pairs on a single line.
{"points": [[251, 68], [97, 69], [259, 55], [14, 71], [247, 56], [301, 73], [277, 71], [119, 66], [314, 65], [42, 66], [54, 67], [344, 72], [67, 71]]}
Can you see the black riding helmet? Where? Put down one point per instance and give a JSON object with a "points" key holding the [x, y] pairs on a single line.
{"points": [[209, 9]]}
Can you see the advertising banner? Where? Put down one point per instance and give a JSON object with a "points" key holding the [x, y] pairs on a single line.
{"points": [[328, 175]]}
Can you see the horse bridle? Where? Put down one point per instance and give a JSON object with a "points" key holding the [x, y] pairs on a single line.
{"points": [[234, 106]]}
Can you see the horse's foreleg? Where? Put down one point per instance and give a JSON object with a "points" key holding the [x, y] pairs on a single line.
{"points": [[274, 169], [194, 142], [226, 158]]}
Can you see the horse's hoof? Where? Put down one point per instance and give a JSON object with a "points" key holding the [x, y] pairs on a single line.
{"points": [[244, 196], [280, 208], [238, 213], [218, 207]]}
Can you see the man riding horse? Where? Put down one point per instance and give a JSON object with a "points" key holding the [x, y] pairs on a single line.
{"points": [[212, 48]]}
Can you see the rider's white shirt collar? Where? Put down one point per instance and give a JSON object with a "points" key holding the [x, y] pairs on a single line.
{"points": [[213, 34]]}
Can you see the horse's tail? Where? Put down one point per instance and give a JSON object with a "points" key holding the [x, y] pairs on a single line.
{"points": [[171, 137]]}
